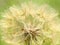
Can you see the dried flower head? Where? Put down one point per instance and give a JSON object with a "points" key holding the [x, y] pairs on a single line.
{"points": [[28, 24]]}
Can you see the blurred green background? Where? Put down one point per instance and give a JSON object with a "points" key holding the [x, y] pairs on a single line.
{"points": [[5, 4]]}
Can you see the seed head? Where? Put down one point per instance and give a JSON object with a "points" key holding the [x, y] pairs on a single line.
{"points": [[28, 24]]}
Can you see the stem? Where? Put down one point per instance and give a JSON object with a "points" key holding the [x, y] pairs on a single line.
{"points": [[27, 41]]}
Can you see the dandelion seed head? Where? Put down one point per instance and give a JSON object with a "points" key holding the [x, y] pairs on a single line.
{"points": [[28, 22]]}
